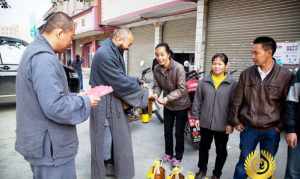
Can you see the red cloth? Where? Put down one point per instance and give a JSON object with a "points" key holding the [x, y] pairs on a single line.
{"points": [[100, 91]]}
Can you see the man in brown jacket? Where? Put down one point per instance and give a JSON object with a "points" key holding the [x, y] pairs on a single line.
{"points": [[258, 102]]}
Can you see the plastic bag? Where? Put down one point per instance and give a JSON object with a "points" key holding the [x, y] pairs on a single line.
{"points": [[156, 171], [176, 174]]}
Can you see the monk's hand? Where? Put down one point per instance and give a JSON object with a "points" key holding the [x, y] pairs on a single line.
{"points": [[94, 101], [162, 101], [228, 129], [291, 139], [153, 96], [83, 93], [240, 127]]}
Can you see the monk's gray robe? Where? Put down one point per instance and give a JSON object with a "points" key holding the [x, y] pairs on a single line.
{"points": [[108, 69]]}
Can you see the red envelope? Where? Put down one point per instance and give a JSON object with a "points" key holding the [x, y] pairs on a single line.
{"points": [[100, 91]]}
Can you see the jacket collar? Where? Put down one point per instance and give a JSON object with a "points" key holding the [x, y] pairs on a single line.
{"points": [[229, 79], [172, 63], [113, 46], [163, 70], [274, 68], [45, 43], [117, 52]]}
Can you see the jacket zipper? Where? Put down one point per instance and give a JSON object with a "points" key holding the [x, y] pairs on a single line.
{"points": [[213, 106]]}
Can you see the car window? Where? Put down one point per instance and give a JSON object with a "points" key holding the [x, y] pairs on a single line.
{"points": [[11, 50]]}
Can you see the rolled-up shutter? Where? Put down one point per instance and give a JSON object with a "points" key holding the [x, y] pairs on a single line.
{"points": [[142, 49], [234, 24], [180, 35]]}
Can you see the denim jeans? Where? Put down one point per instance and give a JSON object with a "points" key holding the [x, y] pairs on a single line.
{"points": [[249, 138], [80, 79], [293, 167]]}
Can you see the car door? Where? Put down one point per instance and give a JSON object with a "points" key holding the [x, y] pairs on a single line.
{"points": [[11, 50]]}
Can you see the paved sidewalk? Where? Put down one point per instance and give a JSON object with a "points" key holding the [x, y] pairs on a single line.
{"points": [[148, 144]]}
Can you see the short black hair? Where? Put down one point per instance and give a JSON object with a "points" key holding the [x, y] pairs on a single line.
{"points": [[57, 20], [268, 43], [222, 56]]}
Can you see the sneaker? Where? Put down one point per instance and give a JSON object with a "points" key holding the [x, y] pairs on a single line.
{"points": [[175, 162], [200, 175], [166, 158], [214, 177]]}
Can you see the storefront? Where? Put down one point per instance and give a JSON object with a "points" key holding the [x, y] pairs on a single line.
{"points": [[234, 24], [141, 50], [180, 35], [87, 34]]}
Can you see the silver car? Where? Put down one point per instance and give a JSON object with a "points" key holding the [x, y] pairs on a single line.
{"points": [[11, 50]]}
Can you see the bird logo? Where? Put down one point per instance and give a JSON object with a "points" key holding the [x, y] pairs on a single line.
{"points": [[260, 165]]}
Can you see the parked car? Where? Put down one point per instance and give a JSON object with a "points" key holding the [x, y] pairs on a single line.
{"points": [[11, 50]]}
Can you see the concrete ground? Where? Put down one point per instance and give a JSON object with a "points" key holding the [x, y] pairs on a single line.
{"points": [[148, 145]]}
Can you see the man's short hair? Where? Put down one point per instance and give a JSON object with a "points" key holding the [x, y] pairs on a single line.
{"points": [[267, 43], [57, 20], [121, 33]]}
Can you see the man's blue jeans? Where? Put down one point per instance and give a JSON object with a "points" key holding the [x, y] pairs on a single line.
{"points": [[249, 138], [80, 79], [293, 167]]}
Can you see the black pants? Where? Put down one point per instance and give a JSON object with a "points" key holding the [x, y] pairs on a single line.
{"points": [[221, 139], [169, 119]]}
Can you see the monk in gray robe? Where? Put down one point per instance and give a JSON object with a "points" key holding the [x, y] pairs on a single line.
{"points": [[108, 68]]}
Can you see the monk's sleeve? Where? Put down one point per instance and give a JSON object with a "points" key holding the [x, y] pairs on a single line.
{"points": [[113, 74]]}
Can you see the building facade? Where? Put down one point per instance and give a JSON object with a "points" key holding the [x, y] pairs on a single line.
{"points": [[232, 26], [152, 22], [194, 29], [88, 31]]}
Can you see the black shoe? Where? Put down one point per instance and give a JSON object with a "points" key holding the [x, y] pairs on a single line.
{"points": [[109, 161], [109, 170], [214, 177], [200, 175]]}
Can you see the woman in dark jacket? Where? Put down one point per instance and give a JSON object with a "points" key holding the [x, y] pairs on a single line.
{"points": [[77, 67], [169, 78], [211, 106]]}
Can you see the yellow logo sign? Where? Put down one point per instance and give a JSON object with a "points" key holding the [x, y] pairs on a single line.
{"points": [[260, 165]]}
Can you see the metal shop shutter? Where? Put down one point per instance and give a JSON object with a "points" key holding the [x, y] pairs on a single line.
{"points": [[142, 49], [180, 35], [234, 24]]}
